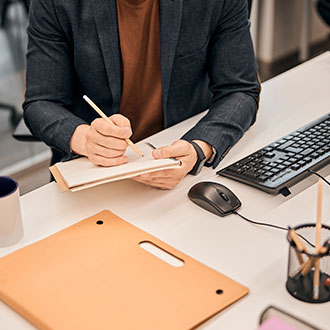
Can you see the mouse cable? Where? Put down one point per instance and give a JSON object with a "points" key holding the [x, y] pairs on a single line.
{"points": [[319, 175], [273, 226], [279, 227]]}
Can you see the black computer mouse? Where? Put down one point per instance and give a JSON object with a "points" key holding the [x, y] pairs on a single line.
{"points": [[214, 197]]}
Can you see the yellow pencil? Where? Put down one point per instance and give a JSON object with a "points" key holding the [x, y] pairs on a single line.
{"points": [[104, 116], [299, 245], [316, 280]]}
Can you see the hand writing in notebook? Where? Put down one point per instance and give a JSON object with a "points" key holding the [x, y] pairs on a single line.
{"points": [[181, 150], [102, 142]]}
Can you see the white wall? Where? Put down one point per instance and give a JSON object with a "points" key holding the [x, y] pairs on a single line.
{"points": [[279, 25]]}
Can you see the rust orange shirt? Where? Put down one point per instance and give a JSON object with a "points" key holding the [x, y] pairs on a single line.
{"points": [[139, 35]]}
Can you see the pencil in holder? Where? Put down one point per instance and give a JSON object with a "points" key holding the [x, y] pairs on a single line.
{"points": [[301, 282]]}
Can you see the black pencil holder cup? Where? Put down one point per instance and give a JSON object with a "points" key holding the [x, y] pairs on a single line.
{"points": [[300, 280]]}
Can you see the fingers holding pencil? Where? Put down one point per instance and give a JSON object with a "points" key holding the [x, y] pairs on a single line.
{"points": [[106, 143], [103, 115], [103, 143], [119, 127]]}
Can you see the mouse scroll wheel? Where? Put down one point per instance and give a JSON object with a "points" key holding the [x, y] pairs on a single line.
{"points": [[224, 196]]}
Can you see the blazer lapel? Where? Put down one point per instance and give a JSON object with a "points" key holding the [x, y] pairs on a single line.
{"points": [[170, 22], [105, 17]]}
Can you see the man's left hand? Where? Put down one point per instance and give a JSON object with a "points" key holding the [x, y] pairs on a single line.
{"points": [[180, 150]]}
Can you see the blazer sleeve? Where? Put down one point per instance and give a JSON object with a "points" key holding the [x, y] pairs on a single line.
{"points": [[49, 79], [233, 79]]}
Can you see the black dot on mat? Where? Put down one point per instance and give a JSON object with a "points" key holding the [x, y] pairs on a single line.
{"points": [[219, 291], [99, 222]]}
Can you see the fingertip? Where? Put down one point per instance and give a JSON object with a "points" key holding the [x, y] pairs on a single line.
{"points": [[120, 120], [127, 132], [157, 153]]}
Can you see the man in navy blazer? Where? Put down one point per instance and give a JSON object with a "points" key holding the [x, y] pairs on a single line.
{"points": [[206, 59]]}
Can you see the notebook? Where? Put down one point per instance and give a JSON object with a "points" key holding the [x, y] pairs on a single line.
{"points": [[80, 173], [95, 275]]}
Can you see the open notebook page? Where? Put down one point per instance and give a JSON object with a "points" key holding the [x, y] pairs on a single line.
{"points": [[81, 171]]}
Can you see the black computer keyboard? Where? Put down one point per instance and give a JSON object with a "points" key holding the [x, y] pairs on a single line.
{"points": [[286, 161]]}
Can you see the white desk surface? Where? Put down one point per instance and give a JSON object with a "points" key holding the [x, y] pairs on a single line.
{"points": [[254, 256]]}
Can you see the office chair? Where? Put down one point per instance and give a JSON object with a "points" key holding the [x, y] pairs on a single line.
{"points": [[15, 116]]}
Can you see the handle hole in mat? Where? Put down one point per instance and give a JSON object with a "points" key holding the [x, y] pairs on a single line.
{"points": [[161, 254], [219, 291], [99, 222]]}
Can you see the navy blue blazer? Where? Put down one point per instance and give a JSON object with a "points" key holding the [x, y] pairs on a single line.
{"points": [[207, 62]]}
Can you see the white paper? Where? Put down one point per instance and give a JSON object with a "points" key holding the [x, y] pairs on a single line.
{"points": [[81, 171]]}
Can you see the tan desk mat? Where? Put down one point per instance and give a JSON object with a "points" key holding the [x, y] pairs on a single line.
{"points": [[96, 276]]}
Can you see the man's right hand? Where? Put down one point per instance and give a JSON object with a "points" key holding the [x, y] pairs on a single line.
{"points": [[102, 142]]}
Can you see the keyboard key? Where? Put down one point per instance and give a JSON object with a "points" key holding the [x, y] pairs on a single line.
{"points": [[315, 155], [291, 154], [242, 162], [281, 167], [236, 165], [294, 150], [295, 167], [275, 145], [268, 149], [307, 152], [249, 174], [262, 178], [285, 145], [294, 159], [258, 154], [269, 155]]}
